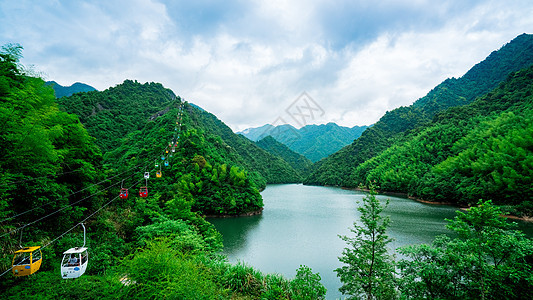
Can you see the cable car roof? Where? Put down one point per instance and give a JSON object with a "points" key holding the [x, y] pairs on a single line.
{"points": [[75, 250], [28, 249]]}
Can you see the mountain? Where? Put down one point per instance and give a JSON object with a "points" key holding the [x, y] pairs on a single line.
{"points": [[273, 168], [312, 141], [394, 126], [257, 133], [483, 150], [65, 91], [299, 162], [111, 116]]}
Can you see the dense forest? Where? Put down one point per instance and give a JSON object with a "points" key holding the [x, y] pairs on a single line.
{"points": [[338, 168], [404, 128], [272, 167], [478, 151], [134, 108], [58, 173], [299, 162]]}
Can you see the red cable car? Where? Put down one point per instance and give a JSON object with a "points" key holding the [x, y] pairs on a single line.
{"points": [[123, 194], [143, 192]]}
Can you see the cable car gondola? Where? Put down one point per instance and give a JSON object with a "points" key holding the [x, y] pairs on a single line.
{"points": [[75, 260], [143, 192], [146, 175], [27, 261], [123, 193], [158, 174], [166, 163]]}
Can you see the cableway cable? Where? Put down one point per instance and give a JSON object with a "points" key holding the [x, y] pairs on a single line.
{"points": [[72, 228], [27, 211], [70, 205], [63, 208]]}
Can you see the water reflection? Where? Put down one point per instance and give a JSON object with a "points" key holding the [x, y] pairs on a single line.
{"points": [[235, 236]]}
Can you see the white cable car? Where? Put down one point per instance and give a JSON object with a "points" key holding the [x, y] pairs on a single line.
{"points": [[75, 260]]}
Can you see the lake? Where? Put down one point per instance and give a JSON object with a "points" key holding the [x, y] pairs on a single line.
{"points": [[300, 226]]}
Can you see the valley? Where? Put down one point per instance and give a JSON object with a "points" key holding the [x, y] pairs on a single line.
{"points": [[68, 160]]}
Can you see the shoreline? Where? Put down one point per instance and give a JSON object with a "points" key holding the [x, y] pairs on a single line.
{"points": [[528, 219], [247, 214]]}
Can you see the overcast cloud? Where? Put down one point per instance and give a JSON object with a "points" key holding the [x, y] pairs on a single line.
{"points": [[246, 61]]}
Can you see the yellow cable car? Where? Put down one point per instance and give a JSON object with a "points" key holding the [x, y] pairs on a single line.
{"points": [[158, 174], [27, 261]]}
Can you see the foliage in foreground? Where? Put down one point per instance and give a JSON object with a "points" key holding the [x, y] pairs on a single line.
{"points": [[484, 259], [161, 271], [487, 260], [368, 269]]}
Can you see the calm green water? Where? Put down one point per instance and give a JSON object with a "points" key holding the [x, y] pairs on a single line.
{"points": [[300, 224]]}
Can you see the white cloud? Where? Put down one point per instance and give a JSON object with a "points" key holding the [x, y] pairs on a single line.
{"points": [[247, 62]]}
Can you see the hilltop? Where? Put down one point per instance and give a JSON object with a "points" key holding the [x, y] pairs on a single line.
{"points": [[65, 91]]}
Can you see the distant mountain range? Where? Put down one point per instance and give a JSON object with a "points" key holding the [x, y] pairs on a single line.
{"points": [[312, 141], [65, 91]]}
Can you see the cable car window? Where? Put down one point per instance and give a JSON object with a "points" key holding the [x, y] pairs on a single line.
{"points": [[36, 256], [22, 258], [64, 263], [84, 256]]}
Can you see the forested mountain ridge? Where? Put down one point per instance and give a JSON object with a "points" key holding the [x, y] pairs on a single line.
{"points": [[273, 168], [483, 150], [297, 161], [338, 169], [112, 114], [312, 141], [65, 91]]}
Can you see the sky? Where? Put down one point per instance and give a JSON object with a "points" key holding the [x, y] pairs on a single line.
{"points": [[256, 62]]}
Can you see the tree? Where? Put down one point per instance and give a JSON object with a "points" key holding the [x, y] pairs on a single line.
{"points": [[306, 285], [368, 269], [487, 260]]}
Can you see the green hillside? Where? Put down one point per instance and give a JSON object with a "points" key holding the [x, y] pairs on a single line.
{"points": [[394, 126], [273, 168], [110, 114], [129, 107], [297, 161], [478, 151]]}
